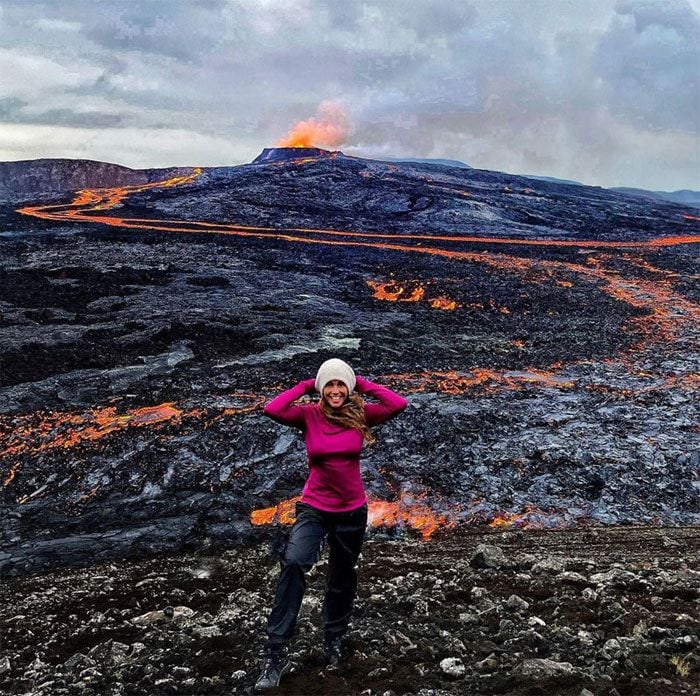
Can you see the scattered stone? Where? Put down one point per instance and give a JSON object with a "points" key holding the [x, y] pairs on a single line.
{"points": [[475, 619], [515, 602], [149, 618], [182, 612], [571, 578], [549, 565], [488, 556], [488, 664], [453, 667], [542, 669], [206, 631]]}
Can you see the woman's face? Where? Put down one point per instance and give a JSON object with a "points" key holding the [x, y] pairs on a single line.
{"points": [[335, 392]]}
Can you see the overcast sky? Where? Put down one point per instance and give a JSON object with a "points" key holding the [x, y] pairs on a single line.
{"points": [[606, 92]]}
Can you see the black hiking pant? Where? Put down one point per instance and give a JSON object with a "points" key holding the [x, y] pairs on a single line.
{"points": [[344, 532]]}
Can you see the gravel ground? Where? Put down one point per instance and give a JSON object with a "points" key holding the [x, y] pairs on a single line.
{"points": [[472, 611]]}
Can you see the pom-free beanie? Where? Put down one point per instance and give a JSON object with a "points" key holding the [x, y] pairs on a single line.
{"points": [[335, 368]]}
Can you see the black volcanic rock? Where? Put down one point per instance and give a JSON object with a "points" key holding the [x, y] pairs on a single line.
{"points": [[349, 193]]}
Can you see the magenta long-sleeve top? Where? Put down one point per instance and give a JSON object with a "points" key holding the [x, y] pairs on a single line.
{"points": [[334, 483]]}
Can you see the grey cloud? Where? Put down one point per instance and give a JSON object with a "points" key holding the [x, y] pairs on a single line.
{"points": [[67, 117], [552, 88], [159, 28], [649, 60]]}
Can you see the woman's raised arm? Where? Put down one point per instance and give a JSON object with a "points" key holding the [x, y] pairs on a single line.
{"points": [[391, 403], [281, 409]]}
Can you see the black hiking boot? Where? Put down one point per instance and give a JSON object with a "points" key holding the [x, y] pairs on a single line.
{"points": [[334, 650], [276, 665]]}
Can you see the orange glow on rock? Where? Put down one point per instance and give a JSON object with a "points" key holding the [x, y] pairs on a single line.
{"points": [[282, 513], [43, 431], [409, 291], [408, 512], [479, 380], [443, 303], [40, 432], [418, 515]]}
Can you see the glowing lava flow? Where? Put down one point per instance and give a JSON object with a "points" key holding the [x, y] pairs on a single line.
{"points": [[101, 199], [534, 518], [394, 292], [668, 312], [405, 512], [484, 380], [91, 200], [414, 512], [63, 430], [35, 433], [637, 293]]}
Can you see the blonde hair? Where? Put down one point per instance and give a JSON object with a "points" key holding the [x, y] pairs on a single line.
{"points": [[350, 415]]}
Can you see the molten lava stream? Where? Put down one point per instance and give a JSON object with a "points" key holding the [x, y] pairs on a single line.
{"points": [[418, 516], [40, 432], [92, 200]]}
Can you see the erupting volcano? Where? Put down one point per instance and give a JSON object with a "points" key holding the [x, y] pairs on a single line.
{"points": [[330, 126]]}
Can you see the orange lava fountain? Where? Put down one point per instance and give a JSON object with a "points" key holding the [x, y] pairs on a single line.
{"points": [[329, 127]]}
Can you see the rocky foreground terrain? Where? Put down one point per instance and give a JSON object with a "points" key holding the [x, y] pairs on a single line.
{"points": [[610, 611]]}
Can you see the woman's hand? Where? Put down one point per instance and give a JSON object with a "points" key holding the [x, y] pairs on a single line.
{"points": [[309, 385], [359, 384]]}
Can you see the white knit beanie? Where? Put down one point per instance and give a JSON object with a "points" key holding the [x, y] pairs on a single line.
{"points": [[335, 368]]}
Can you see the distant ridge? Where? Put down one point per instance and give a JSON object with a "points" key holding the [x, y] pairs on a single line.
{"points": [[683, 197], [418, 160], [30, 177], [553, 179]]}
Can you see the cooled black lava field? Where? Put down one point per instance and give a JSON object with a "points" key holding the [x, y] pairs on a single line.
{"points": [[545, 336]]}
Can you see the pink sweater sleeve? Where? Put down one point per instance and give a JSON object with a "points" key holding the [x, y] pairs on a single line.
{"points": [[281, 409], [391, 403]]}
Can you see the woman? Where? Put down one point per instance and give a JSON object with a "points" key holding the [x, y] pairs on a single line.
{"points": [[333, 504]]}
